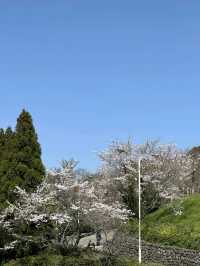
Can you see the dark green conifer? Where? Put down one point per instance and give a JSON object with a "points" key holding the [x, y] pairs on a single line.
{"points": [[20, 158], [28, 161], [7, 180], [2, 143]]}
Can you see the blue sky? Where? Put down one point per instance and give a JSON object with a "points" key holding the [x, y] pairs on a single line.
{"points": [[94, 71]]}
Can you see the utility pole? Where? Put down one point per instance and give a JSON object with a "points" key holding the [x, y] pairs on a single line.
{"points": [[139, 212]]}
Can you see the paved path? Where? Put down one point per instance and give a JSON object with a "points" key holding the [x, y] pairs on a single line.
{"points": [[85, 240]]}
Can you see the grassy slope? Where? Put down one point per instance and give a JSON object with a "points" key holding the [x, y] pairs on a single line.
{"points": [[163, 226]]}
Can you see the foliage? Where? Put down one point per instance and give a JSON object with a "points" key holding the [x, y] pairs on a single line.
{"points": [[55, 260], [55, 213], [194, 185], [121, 163], [60, 207], [29, 166], [84, 259], [150, 197], [20, 158]]}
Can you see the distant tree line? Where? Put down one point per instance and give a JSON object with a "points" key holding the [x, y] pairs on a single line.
{"points": [[20, 158]]}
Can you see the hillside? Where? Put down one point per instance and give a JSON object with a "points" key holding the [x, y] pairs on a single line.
{"points": [[176, 224]]}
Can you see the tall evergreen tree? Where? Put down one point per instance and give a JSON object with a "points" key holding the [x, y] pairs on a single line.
{"points": [[2, 143], [7, 182], [20, 158], [28, 161]]}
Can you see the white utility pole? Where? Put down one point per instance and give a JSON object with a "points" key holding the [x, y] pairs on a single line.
{"points": [[139, 212]]}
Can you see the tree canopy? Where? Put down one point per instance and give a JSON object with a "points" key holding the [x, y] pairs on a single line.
{"points": [[20, 158]]}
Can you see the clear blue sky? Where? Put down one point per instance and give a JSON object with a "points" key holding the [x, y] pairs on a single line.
{"points": [[93, 71]]}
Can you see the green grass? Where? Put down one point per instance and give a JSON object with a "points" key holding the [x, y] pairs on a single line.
{"points": [[163, 226]]}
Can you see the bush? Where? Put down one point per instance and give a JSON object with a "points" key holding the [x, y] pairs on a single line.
{"points": [[85, 259], [53, 260]]}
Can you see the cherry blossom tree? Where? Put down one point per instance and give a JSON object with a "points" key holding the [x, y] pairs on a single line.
{"points": [[63, 205], [64, 202], [163, 165]]}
